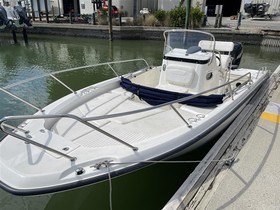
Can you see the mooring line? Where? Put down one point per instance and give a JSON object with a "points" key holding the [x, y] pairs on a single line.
{"points": [[107, 163]]}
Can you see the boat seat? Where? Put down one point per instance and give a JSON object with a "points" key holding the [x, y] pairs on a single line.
{"points": [[219, 46], [225, 61], [178, 78], [223, 47]]}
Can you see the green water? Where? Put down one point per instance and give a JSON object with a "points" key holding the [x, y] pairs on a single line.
{"points": [[149, 188]]}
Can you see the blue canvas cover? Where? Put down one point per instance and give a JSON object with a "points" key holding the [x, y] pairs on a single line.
{"points": [[154, 96]]}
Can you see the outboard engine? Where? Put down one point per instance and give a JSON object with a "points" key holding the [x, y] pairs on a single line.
{"points": [[236, 55], [4, 21], [23, 15]]}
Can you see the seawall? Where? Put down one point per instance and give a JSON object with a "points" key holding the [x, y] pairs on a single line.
{"points": [[266, 37]]}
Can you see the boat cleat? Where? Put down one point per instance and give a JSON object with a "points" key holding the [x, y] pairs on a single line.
{"points": [[103, 164]]}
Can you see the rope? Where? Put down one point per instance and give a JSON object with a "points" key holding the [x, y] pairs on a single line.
{"points": [[228, 161], [107, 163]]}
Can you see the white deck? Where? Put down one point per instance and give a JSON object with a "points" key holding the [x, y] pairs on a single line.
{"points": [[154, 133], [132, 129], [135, 129]]}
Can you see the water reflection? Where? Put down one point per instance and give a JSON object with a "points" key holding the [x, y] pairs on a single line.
{"points": [[47, 54], [256, 57]]}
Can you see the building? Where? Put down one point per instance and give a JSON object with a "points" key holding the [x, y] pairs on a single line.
{"points": [[123, 5], [230, 7], [133, 7]]}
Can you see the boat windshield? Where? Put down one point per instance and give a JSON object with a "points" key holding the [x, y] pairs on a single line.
{"points": [[184, 39]]}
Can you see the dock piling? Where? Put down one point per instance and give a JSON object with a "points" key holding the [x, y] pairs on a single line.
{"points": [[14, 36], [25, 37]]}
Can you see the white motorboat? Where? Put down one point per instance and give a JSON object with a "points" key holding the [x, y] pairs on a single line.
{"points": [[125, 123]]}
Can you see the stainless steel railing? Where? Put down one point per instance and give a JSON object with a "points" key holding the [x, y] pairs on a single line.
{"points": [[28, 136], [5, 89]]}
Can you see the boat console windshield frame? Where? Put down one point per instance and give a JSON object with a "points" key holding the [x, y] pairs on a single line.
{"points": [[189, 40]]}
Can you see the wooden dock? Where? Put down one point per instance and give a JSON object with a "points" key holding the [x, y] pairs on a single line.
{"points": [[242, 170]]}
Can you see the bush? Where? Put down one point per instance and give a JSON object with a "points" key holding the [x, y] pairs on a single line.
{"points": [[138, 21], [167, 20], [178, 16], [196, 16], [102, 20], [129, 22], [124, 13], [86, 17], [150, 20], [160, 15]]}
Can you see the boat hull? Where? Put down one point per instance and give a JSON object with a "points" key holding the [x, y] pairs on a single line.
{"points": [[220, 123]]}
